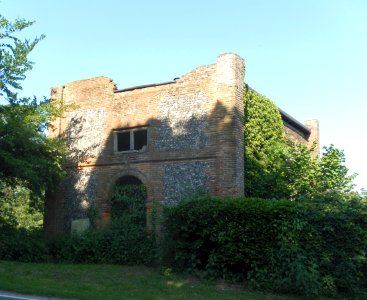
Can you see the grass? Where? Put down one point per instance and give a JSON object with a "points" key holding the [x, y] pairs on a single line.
{"points": [[113, 282]]}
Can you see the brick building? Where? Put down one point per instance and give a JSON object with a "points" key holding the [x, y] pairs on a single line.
{"points": [[177, 138]]}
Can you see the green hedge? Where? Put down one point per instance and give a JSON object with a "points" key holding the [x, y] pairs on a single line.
{"points": [[283, 246], [120, 243], [314, 247], [22, 245], [125, 241]]}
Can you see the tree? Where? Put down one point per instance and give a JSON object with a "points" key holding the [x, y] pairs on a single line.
{"points": [[333, 174], [14, 52], [26, 153], [30, 162]]}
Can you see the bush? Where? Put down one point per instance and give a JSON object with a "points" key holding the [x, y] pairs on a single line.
{"points": [[120, 243], [22, 245], [125, 241], [283, 246]]}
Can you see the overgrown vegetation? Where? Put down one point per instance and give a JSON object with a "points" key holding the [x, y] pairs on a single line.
{"points": [[278, 167], [313, 245], [125, 241], [263, 131], [309, 248]]}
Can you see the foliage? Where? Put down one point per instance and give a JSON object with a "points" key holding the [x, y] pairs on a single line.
{"points": [[279, 167], [333, 174], [120, 243], [14, 53], [125, 241], [16, 209], [290, 172], [306, 247], [26, 245], [30, 163], [263, 128], [128, 200], [26, 154]]}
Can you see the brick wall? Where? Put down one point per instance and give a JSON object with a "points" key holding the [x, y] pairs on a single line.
{"points": [[195, 140]]}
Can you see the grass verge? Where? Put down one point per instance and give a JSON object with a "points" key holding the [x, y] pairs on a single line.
{"points": [[112, 282]]}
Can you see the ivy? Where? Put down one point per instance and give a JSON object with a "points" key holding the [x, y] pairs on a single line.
{"points": [[263, 133], [277, 166]]}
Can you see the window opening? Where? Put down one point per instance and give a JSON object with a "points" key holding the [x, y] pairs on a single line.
{"points": [[140, 139], [123, 141], [135, 139]]}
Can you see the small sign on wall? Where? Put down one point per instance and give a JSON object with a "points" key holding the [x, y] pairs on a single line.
{"points": [[80, 225]]}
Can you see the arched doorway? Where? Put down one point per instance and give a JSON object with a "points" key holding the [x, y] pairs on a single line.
{"points": [[129, 241], [128, 200], [129, 179]]}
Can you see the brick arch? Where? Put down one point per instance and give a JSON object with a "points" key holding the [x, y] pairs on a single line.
{"points": [[106, 215], [130, 172]]}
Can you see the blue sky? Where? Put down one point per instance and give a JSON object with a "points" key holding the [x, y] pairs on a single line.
{"points": [[309, 57]]}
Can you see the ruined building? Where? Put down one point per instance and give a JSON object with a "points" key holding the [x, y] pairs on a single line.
{"points": [[177, 138]]}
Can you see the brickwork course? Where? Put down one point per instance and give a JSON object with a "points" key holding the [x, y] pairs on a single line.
{"points": [[194, 143]]}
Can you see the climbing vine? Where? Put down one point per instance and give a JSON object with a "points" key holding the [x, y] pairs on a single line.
{"points": [[277, 166], [263, 132]]}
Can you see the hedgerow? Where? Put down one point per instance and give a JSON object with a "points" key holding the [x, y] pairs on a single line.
{"points": [[292, 247], [25, 245], [125, 241]]}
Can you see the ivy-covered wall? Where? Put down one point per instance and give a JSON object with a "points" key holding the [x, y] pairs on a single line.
{"points": [[263, 128]]}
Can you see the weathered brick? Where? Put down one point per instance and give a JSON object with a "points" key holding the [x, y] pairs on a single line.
{"points": [[195, 140], [193, 146]]}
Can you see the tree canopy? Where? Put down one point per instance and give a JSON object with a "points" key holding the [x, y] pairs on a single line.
{"points": [[14, 62], [30, 162]]}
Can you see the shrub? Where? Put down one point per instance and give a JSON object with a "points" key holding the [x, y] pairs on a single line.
{"points": [[120, 243], [125, 241], [22, 245], [283, 246]]}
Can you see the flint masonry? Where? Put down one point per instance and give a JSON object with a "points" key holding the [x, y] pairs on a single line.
{"points": [[177, 138]]}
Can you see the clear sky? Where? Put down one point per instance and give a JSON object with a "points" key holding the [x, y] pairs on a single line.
{"points": [[309, 57]]}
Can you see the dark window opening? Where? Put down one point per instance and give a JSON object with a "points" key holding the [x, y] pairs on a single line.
{"points": [[123, 141], [140, 139], [135, 139]]}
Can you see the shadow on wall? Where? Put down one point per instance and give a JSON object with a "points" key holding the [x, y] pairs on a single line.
{"points": [[185, 154]]}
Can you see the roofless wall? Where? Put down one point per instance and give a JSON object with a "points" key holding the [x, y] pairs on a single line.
{"points": [[178, 138]]}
